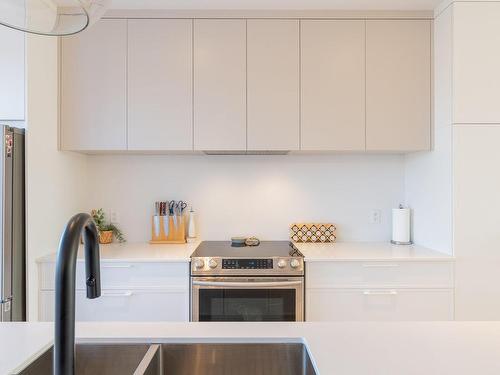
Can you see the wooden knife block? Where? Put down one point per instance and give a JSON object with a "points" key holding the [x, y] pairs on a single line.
{"points": [[176, 230]]}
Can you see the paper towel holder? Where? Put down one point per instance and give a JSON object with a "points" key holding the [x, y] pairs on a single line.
{"points": [[409, 225], [401, 243]]}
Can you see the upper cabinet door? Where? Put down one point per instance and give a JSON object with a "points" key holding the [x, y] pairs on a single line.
{"points": [[219, 84], [333, 85], [11, 74], [94, 88], [160, 84], [273, 84], [398, 85], [476, 63]]}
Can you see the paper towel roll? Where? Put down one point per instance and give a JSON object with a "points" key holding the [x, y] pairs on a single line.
{"points": [[401, 226]]}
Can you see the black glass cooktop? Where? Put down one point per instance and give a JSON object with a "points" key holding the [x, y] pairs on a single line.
{"points": [[265, 249]]}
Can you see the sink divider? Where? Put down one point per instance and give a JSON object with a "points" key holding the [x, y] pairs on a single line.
{"points": [[150, 363]]}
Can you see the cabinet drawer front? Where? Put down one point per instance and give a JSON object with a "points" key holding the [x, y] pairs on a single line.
{"points": [[12, 74], [124, 305], [398, 85], [379, 304], [379, 273], [94, 88], [220, 84], [126, 275], [333, 85]]}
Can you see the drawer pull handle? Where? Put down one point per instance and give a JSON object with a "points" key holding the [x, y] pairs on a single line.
{"points": [[125, 294], [117, 266], [380, 265], [380, 293]]}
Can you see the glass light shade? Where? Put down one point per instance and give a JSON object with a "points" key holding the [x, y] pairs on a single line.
{"points": [[51, 17]]}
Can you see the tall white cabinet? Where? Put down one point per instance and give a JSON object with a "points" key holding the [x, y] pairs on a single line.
{"points": [[219, 84], [273, 84], [476, 62], [473, 36], [398, 85], [160, 84], [94, 88], [12, 76], [333, 85]]}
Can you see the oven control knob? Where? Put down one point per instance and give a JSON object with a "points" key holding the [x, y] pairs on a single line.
{"points": [[281, 263], [212, 263], [294, 263], [199, 263]]}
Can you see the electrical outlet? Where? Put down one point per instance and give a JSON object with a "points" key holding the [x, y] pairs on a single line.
{"points": [[113, 216], [375, 216]]}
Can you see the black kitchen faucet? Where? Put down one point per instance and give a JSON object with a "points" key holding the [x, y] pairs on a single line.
{"points": [[64, 339]]}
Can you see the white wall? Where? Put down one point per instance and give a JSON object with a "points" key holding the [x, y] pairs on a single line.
{"points": [[252, 195], [56, 181], [428, 175]]}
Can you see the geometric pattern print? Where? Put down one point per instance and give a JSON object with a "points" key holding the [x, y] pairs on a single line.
{"points": [[313, 232]]}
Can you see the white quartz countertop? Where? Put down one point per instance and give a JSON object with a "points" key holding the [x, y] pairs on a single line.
{"points": [[374, 348], [343, 251], [340, 251], [138, 252]]}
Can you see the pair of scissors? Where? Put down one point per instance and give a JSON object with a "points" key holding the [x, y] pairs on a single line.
{"points": [[180, 206], [171, 207]]}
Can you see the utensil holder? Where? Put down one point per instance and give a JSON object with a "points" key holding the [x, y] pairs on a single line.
{"points": [[176, 230]]}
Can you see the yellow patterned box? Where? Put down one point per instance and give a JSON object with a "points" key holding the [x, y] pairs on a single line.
{"points": [[313, 232]]}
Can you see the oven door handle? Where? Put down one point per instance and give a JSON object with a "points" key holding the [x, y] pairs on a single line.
{"points": [[250, 284]]}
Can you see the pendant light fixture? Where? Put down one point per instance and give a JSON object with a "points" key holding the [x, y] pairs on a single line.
{"points": [[51, 17]]}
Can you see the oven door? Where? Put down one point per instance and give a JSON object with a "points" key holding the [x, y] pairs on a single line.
{"points": [[240, 299]]}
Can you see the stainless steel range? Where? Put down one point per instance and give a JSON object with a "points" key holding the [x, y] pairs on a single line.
{"points": [[249, 283]]}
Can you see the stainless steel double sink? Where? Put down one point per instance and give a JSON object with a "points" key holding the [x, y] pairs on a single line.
{"points": [[184, 359]]}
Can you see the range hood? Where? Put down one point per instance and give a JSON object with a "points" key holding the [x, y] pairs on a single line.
{"points": [[248, 152]]}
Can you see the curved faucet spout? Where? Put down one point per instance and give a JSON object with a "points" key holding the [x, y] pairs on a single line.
{"points": [[64, 339]]}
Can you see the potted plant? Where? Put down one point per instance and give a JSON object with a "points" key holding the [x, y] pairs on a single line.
{"points": [[106, 228]]}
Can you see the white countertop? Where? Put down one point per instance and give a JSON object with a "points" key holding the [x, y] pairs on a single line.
{"points": [[374, 348], [339, 251], [342, 251], [138, 252]]}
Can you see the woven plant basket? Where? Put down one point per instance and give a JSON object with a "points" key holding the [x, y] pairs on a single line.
{"points": [[106, 236]]}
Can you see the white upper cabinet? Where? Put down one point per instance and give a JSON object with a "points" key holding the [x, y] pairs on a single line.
{"points": [[273, 84], [398, 85], [94, 88], [160, 84], [11, 74], [256, 85], [333, 85], [219, 84], [476, 62]]}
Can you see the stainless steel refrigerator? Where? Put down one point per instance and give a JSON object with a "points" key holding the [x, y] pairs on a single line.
{"points": [[12, 226]]}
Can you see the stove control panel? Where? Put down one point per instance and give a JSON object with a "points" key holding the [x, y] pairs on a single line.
{"points": [[247, 264]]}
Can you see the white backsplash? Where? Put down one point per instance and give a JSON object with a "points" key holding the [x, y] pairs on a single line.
{"points": [[252, 195]]}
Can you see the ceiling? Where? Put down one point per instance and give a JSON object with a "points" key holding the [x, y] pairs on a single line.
{"points": [[278, 4]]}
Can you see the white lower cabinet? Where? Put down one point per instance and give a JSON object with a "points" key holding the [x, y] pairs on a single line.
{"points": [[135, 291], [124, 305], [379, 291], [381, 274], [126, 275], [379, 304]]}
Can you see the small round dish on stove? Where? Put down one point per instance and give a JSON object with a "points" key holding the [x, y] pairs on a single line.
{"points": [[252, 241], [238, 241]]}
